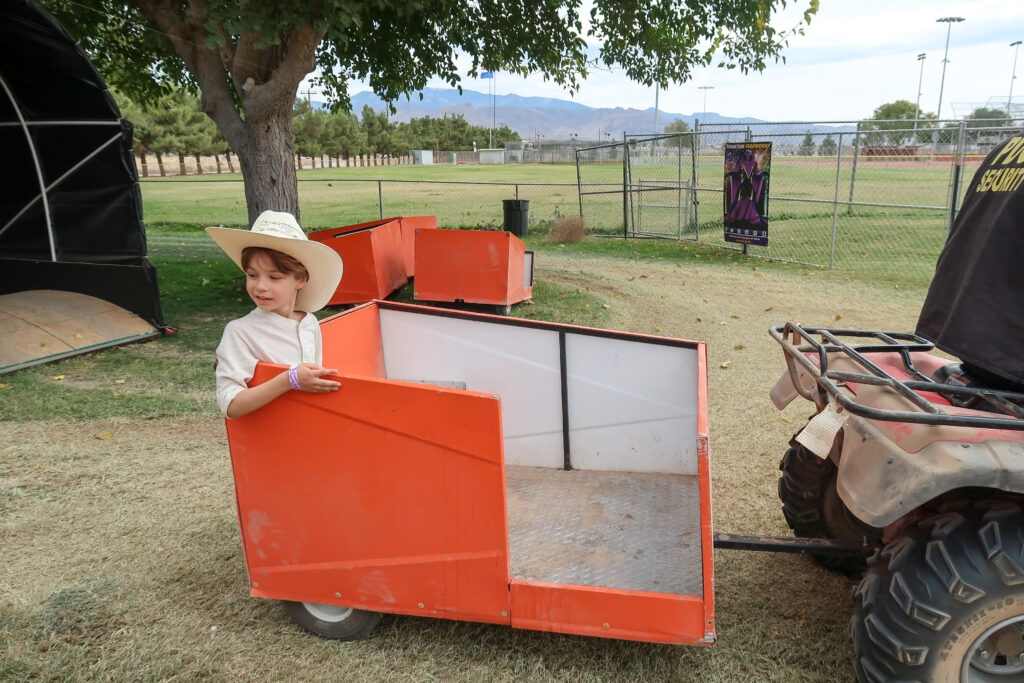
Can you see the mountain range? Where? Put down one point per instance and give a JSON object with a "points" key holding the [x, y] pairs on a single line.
{"points": [[535, 118]]}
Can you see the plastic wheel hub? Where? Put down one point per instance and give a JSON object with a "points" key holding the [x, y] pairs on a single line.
{"points": [[329, 613]]}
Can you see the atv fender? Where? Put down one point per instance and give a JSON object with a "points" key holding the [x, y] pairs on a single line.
{"points": [[880, 482]]}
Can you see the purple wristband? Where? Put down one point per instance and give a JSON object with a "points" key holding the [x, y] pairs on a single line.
{"points": [[293, 376]]}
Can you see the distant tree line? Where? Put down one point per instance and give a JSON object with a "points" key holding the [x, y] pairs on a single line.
{"points": [[900, 123], [176, 126]]}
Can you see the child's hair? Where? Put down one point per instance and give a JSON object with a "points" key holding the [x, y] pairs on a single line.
{"points": [[283, 262]]}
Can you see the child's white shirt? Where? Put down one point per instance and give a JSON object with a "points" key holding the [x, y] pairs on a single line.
{"points": [[267, 337]]}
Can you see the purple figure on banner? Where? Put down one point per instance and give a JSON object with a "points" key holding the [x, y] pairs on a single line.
{"points": [[746, 185]]}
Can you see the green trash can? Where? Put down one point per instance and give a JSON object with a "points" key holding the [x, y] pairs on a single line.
{"points": [[517, 216]]}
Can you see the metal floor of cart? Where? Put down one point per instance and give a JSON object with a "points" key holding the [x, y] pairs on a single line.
{"points": [[620, 530]]}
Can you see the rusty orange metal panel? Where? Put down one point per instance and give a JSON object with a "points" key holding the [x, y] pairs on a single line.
{"points": [[474, 266], [608, 613], [384, 495], [410, 224], [374, 259]]}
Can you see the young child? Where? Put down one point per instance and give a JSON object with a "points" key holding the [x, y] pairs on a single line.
{"points": [[288, 277]]}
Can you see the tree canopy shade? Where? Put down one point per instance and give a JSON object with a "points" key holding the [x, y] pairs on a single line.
{"points": [[248, 58]]}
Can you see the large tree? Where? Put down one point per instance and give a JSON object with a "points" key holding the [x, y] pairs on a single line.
{"points": [[900, 118], [248, 57]]}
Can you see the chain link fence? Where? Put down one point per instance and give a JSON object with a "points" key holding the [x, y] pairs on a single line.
{"points": [[877, 198], [334, 202]]}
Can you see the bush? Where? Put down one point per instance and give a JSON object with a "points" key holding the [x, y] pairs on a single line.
{"points": [[567, 229]]}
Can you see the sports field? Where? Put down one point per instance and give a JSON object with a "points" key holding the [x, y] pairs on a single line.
{"points": [[892, 229]]}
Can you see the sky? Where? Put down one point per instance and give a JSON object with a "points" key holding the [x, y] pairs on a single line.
{"points": [[855, 55]]}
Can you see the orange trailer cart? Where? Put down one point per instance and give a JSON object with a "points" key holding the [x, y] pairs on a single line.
{"points": [[484, 468], [473, 266], [374, 258]]}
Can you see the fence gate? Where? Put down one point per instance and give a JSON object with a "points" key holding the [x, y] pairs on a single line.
{"points": [[644, 186], [661, 179]]}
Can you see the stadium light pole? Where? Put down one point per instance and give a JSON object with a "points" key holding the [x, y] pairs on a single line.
{"points": [[1016, 48], [917, 107], [705, 88], [949, 21], [656, 87]]}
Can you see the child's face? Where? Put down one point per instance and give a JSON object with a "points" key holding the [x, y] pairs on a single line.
{"points": [[270, 289]]}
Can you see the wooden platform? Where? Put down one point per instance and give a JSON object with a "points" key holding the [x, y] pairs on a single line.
{"points": [[44, 325]]}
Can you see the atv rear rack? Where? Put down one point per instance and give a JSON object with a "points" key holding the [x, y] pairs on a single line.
{"points": [[797, 341]]}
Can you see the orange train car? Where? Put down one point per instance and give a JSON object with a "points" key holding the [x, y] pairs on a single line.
{"points": [[473, 266], [484, 468], [374, 258]]}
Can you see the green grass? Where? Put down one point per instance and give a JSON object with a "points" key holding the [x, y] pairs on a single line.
{"points": [[888, 242]]}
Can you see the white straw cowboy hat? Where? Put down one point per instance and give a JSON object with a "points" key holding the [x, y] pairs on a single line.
{"points": [[280, 231]]}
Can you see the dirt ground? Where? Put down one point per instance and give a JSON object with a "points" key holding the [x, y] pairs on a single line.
{"points": [[122, 558]]}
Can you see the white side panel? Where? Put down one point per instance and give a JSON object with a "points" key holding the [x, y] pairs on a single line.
{"points": [[632, 405], [519, 364], [528, 269]]}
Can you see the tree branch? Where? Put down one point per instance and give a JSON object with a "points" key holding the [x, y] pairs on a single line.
{"points": [[188, 34]]}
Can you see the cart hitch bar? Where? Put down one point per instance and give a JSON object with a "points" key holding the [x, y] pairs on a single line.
{"points": [[789, 544]]}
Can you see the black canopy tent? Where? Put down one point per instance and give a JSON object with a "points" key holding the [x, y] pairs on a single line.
{"points": [[70, 205]]}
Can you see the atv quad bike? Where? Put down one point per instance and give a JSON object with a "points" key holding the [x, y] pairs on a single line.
{"points": [[926, 471]]}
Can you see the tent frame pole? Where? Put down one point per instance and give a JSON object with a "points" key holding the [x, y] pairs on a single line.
{"points": [[39, 171], [54, 184]]}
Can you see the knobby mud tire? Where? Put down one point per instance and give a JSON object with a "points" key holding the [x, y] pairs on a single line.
{"points": [[930, 596], [811, 504]]}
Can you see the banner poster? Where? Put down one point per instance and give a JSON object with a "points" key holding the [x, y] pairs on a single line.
{"points": [[747, 169]]}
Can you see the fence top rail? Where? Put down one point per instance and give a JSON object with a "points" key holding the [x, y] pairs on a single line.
{"points": [[606, 145], [181, 179], [651, 137], [839, 123]]}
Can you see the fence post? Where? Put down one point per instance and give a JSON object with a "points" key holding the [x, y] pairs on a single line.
{"points": [[579, 183], [835, 204], [517, 190], [625, 186], [679, 187], [853, 172], [958, 161], [380, 199], [696, 177]]}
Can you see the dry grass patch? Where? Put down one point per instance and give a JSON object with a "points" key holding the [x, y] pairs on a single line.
{"points": [[122, 557]]}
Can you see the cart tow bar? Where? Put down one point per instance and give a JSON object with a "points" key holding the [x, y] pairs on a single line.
{"points": [[787, 544]]}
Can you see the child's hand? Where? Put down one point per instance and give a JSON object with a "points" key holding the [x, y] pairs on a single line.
{"points": [[311, 379]]}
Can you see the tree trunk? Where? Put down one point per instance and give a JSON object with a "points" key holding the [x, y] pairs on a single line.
{"points": [[181, 164], [267, 158], [142, 158], [160, 163], [199, 164], [231, 164], [216, 157]]}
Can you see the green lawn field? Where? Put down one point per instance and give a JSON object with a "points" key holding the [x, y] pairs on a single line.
{"points": [[893, 229]]}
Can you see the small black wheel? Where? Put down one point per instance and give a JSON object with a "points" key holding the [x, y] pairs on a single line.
{"points": [[333, 621], [812, 507], [945, 601]]}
